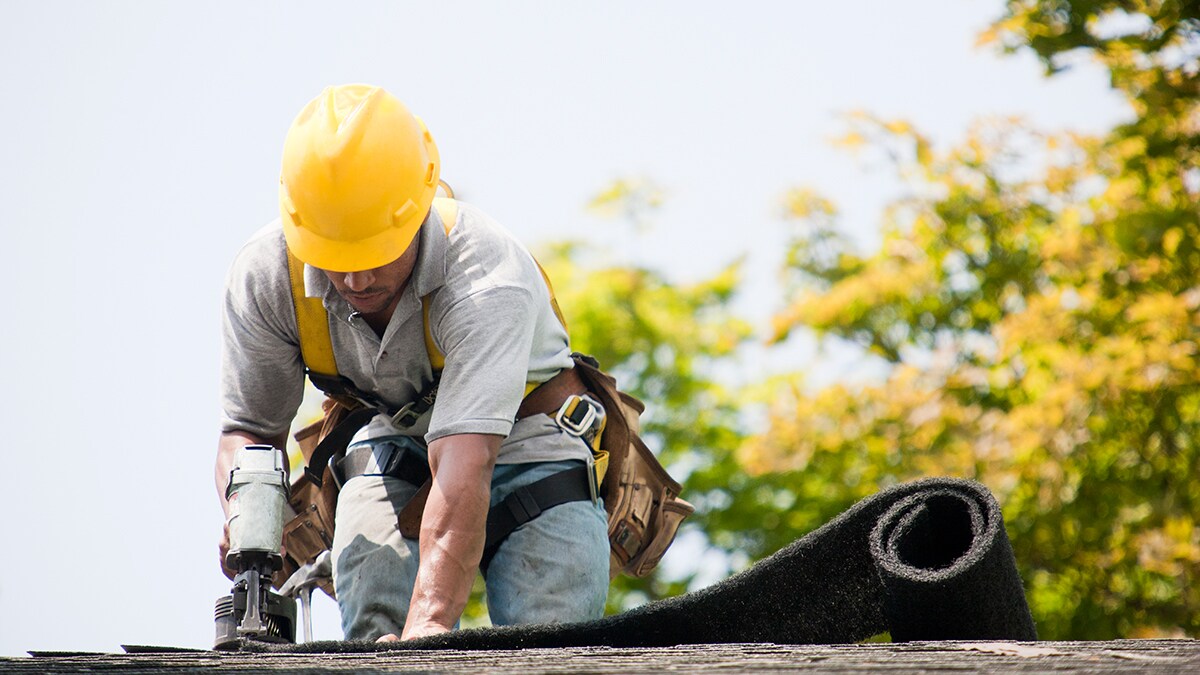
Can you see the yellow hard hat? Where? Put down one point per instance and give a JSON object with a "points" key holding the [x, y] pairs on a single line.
{"points": [[359, 175]]}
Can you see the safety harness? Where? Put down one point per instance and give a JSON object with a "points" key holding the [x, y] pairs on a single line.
{"points": [[563, 397]]}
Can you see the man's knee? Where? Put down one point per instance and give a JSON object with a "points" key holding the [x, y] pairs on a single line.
{"points": [[374, 567], [371, 593]]}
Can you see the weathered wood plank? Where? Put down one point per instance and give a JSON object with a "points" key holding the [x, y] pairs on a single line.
{"points": [[1159, 656]]}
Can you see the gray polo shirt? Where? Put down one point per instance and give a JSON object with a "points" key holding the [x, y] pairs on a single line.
{"points": [[490, 315]]}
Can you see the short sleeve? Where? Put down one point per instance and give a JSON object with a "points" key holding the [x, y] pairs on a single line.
{"points": [[486, 337], [262, 373]]}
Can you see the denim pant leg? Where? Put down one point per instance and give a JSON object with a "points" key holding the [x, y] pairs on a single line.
{"points": [[374, 567], [554, 568]]}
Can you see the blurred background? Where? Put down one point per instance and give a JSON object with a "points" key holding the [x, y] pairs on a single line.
{"points": [[834, 246]]}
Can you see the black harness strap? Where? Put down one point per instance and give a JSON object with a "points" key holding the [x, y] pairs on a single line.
{"points": [[344, 387], [335, 442], [529, 501], [399, 463]]}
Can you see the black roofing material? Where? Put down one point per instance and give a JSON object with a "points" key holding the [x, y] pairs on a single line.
{"points": [[927, 560]]}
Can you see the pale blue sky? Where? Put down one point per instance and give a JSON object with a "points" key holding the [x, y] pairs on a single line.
{"points": [[141, 148]]}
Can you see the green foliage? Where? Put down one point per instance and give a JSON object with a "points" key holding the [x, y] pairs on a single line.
{"points": [[1037, 299]]}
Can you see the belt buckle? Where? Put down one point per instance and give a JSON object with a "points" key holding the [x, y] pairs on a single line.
{"points": [[563, 418], [336, 474], [591, 478], [383, 458], [377, 463], [405, 417]]}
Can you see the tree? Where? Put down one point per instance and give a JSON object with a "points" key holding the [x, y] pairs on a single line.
{"points": [[1035, 300]]}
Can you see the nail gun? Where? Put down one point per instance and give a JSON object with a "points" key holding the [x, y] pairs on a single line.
{"points": [[257, 496]]}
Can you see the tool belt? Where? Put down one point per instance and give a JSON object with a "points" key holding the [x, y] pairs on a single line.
{"points": [[641, 499]]}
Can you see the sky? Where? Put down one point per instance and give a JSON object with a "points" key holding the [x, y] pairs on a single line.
{"points": [[142, 145]]}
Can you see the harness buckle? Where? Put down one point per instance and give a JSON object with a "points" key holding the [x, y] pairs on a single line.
{"points": [[583, 417], [570, 418]]}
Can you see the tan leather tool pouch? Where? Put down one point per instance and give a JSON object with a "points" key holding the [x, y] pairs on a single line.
{"points": [[642, 500]]}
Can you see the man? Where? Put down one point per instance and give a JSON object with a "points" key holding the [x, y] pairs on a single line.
{"points": [[358, 181]]}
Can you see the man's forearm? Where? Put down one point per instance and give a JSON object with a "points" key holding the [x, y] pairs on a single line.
{"points": [[453, 530]]}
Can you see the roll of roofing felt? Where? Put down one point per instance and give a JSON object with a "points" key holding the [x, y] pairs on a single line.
{"points": [[947, 568], [927, 560]]}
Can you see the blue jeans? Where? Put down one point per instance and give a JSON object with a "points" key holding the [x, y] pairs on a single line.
{"points": [[552, 569]]}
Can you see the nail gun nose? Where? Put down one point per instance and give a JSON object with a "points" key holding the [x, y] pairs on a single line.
{"points": [[252, 624]]}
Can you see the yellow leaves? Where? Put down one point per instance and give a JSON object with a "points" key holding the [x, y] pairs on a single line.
{"points": [[851, 140], [1066, 242], [1059, 180], [614, 194], [863, 431], [988, 36], [1162, 309], [805, 203], [852, 298], [1167, 549], [1171, 240], [867, 130], [1067, 366], [784, 321], [924, 153], [1043, 320], [1145, 269], [624, 189], [1131, 147], [1005, 29]]}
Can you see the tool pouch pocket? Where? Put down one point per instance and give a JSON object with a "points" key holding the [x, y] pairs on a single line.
{"points": [[310, 531], [642, 500], [646, 515]]}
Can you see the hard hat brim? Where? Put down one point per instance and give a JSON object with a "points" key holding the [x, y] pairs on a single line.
{"points": [[342, 256]]}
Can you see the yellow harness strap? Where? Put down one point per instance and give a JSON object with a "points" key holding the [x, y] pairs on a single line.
{"points": [[447, 210], [553, 300], [312, 323]]}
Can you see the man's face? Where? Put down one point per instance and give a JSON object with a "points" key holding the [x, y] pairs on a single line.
{"points": [[376, 291]]}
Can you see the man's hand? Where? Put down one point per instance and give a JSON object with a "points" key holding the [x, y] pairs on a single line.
{"points": [[413, 632], [223, 550], [453, 531]]}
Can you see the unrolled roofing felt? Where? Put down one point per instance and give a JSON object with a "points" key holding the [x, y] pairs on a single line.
{"points": [[927, 560]]}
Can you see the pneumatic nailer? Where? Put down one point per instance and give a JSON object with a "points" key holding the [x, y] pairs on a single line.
{"points": [[257, 496]]}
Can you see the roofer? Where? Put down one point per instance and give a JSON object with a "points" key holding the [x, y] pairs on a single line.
{"points": [[357, 188]]}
